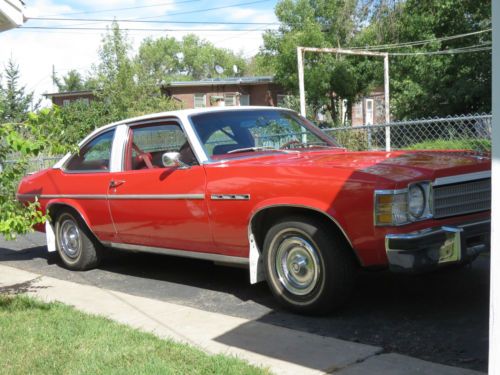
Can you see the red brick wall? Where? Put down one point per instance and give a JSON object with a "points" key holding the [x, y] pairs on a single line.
{"points": [[59, 100], [257, 92]]}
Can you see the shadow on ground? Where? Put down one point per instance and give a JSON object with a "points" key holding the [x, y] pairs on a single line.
{"points": [[440, 317]]}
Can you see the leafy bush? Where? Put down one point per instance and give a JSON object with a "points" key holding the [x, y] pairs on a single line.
{"points": [[15, 217], [481, 145]]}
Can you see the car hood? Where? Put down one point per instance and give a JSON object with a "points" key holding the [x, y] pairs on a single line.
{"points": [[396, 166]]}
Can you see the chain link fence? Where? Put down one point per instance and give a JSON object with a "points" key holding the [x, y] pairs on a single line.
{"points": [[466, 132], [37, 164]]}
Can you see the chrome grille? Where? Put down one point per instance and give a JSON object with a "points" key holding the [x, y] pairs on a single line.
{"points": [[462, 198]]}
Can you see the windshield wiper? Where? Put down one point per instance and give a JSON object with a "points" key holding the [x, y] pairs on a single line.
{"points": [[245, 149]]}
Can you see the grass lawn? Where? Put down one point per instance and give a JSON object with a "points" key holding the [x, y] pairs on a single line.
{"points": [[40, 338]]}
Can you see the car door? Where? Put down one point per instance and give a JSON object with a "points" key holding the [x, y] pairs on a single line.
{"points": [[157, 206]]}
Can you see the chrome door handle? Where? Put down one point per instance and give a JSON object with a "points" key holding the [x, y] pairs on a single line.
{"points": [[116, 183]]}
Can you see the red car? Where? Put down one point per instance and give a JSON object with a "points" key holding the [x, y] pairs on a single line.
{"points": [[265, 188]]}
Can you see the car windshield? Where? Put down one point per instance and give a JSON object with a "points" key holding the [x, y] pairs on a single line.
{"points": [[227, 133]]}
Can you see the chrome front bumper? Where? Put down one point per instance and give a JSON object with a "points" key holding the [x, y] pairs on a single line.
{"points": [[431, 248]]}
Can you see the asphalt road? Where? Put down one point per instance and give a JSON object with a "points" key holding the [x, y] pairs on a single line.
{"points": [[440, 317]]}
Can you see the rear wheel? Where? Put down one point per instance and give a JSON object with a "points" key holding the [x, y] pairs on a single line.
{"points": [[308, 266], [74, 242]]}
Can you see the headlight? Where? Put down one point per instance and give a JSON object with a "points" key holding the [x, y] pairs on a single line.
{"points": [[416, 200], [398, 207]]}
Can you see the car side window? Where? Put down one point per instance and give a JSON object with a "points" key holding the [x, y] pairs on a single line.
{"points": [[148, 144], [95, 155]]}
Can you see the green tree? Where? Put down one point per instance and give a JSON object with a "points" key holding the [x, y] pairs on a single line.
{"points": [[119, 86], [158, 60], [258, 66], [72, 81], [165, 59], [16, 102], [321, 23], [443, 84]]}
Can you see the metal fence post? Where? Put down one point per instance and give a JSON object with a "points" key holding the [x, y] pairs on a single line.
{"points": [[387, 104], [302, 92]]}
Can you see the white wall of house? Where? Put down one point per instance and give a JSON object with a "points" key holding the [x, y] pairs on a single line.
{"points": [[11, 14]]}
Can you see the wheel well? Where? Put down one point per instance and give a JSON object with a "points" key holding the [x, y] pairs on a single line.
{"points": [[264, 219], [55, 209]]}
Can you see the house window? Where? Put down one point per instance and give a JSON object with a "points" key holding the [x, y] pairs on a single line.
{"points": [[200, 100], [230, 100], [245, 99], [66, 102], [358, 109]]}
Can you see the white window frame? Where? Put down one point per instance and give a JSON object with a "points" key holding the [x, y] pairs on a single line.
{"points": [[230, 99], [66, 102], [369, 121], [198, 96]]}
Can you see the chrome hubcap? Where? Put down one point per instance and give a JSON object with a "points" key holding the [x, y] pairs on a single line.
{"points": [[297, 264], [70, 238]]}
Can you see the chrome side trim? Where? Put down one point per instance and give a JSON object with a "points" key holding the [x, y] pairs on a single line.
{"points": [[227, 259], [157, 196], [64, 196], [116, 197], [461, 178], [226, 197]]}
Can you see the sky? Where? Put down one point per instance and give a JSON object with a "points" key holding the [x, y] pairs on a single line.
{"points": [[36, 51]]}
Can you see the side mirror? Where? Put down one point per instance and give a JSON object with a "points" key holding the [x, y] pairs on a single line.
{"points": [[171, 159]]}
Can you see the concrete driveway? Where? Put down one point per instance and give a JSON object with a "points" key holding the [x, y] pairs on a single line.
{"points": [[440, 317]]}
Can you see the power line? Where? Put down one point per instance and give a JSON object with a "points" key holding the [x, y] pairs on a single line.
{"points": [[471, 49], [207, 9], [151, 21], [199, 10], [122, 9], [128, 29], [421, 42]]}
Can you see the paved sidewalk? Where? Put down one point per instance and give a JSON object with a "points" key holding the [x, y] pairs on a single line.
{"points": [[283, 350]]}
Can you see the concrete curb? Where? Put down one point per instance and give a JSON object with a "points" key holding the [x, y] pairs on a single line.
{"points": [[283, 350]]}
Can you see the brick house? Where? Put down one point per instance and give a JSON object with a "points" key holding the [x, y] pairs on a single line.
{"points": [[234, 91], [369, 109], [65, 98]]}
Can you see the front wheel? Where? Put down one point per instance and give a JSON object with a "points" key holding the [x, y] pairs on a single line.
{"points": [[308, 266], [74, 242]]}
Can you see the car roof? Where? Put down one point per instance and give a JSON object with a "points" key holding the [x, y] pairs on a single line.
{"points": [[185, 113]]}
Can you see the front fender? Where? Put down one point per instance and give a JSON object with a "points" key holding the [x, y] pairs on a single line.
{"points": [[306, 203], [255, 260]]}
